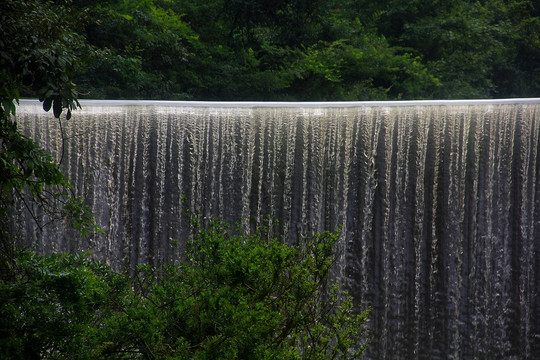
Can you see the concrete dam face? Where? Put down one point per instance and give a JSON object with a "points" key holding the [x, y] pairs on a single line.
{"points": [[439, 202]]}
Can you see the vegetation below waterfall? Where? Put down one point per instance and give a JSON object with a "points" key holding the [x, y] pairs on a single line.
{"points": [[236, 296]]}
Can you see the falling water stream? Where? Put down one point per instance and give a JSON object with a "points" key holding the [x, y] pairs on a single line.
{"points": [[439, 202]]}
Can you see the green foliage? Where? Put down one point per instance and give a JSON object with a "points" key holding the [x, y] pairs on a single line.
{"points": [[331, 72], [37, 58], [138, 50], [243, 50], [249, 296], [236, 296], [314, 50], [55, 307], [271, 50], [24, 163], [30, 173], [477, 49]]}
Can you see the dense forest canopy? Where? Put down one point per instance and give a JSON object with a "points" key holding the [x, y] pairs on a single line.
{"points": [[303, 49]]}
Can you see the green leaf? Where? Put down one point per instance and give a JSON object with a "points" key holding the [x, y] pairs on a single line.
{"points": [[57, 107], [47, 104]]}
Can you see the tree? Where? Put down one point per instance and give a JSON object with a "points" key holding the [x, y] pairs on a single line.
{"points": [[244, 50], [37, 56], [37, 44], [477, 49], [55, 307], [235, 296], [136, 49]]}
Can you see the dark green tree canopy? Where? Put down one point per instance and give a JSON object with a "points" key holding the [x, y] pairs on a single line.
{"points": [[37, 54], [269, 50], [311, 50]]}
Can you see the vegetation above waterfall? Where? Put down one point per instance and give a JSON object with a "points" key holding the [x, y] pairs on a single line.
{"points": [[282, 50], [310, 50], [236, 296]]}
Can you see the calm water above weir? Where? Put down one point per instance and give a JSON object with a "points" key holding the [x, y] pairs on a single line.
{"points": [[439, 202]]}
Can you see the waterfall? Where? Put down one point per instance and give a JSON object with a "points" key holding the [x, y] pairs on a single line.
{"points": [[439, 202]]}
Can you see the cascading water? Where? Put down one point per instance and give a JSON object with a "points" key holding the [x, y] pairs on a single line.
{"points": [[439, 202]]}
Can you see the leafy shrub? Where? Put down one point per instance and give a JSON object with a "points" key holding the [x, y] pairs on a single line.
{"points": [[235, 296]]}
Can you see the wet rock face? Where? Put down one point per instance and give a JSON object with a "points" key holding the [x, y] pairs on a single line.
{"points": [[439, 204]]}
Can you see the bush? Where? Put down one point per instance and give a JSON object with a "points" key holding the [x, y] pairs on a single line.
{"points": [[236, 296]]}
